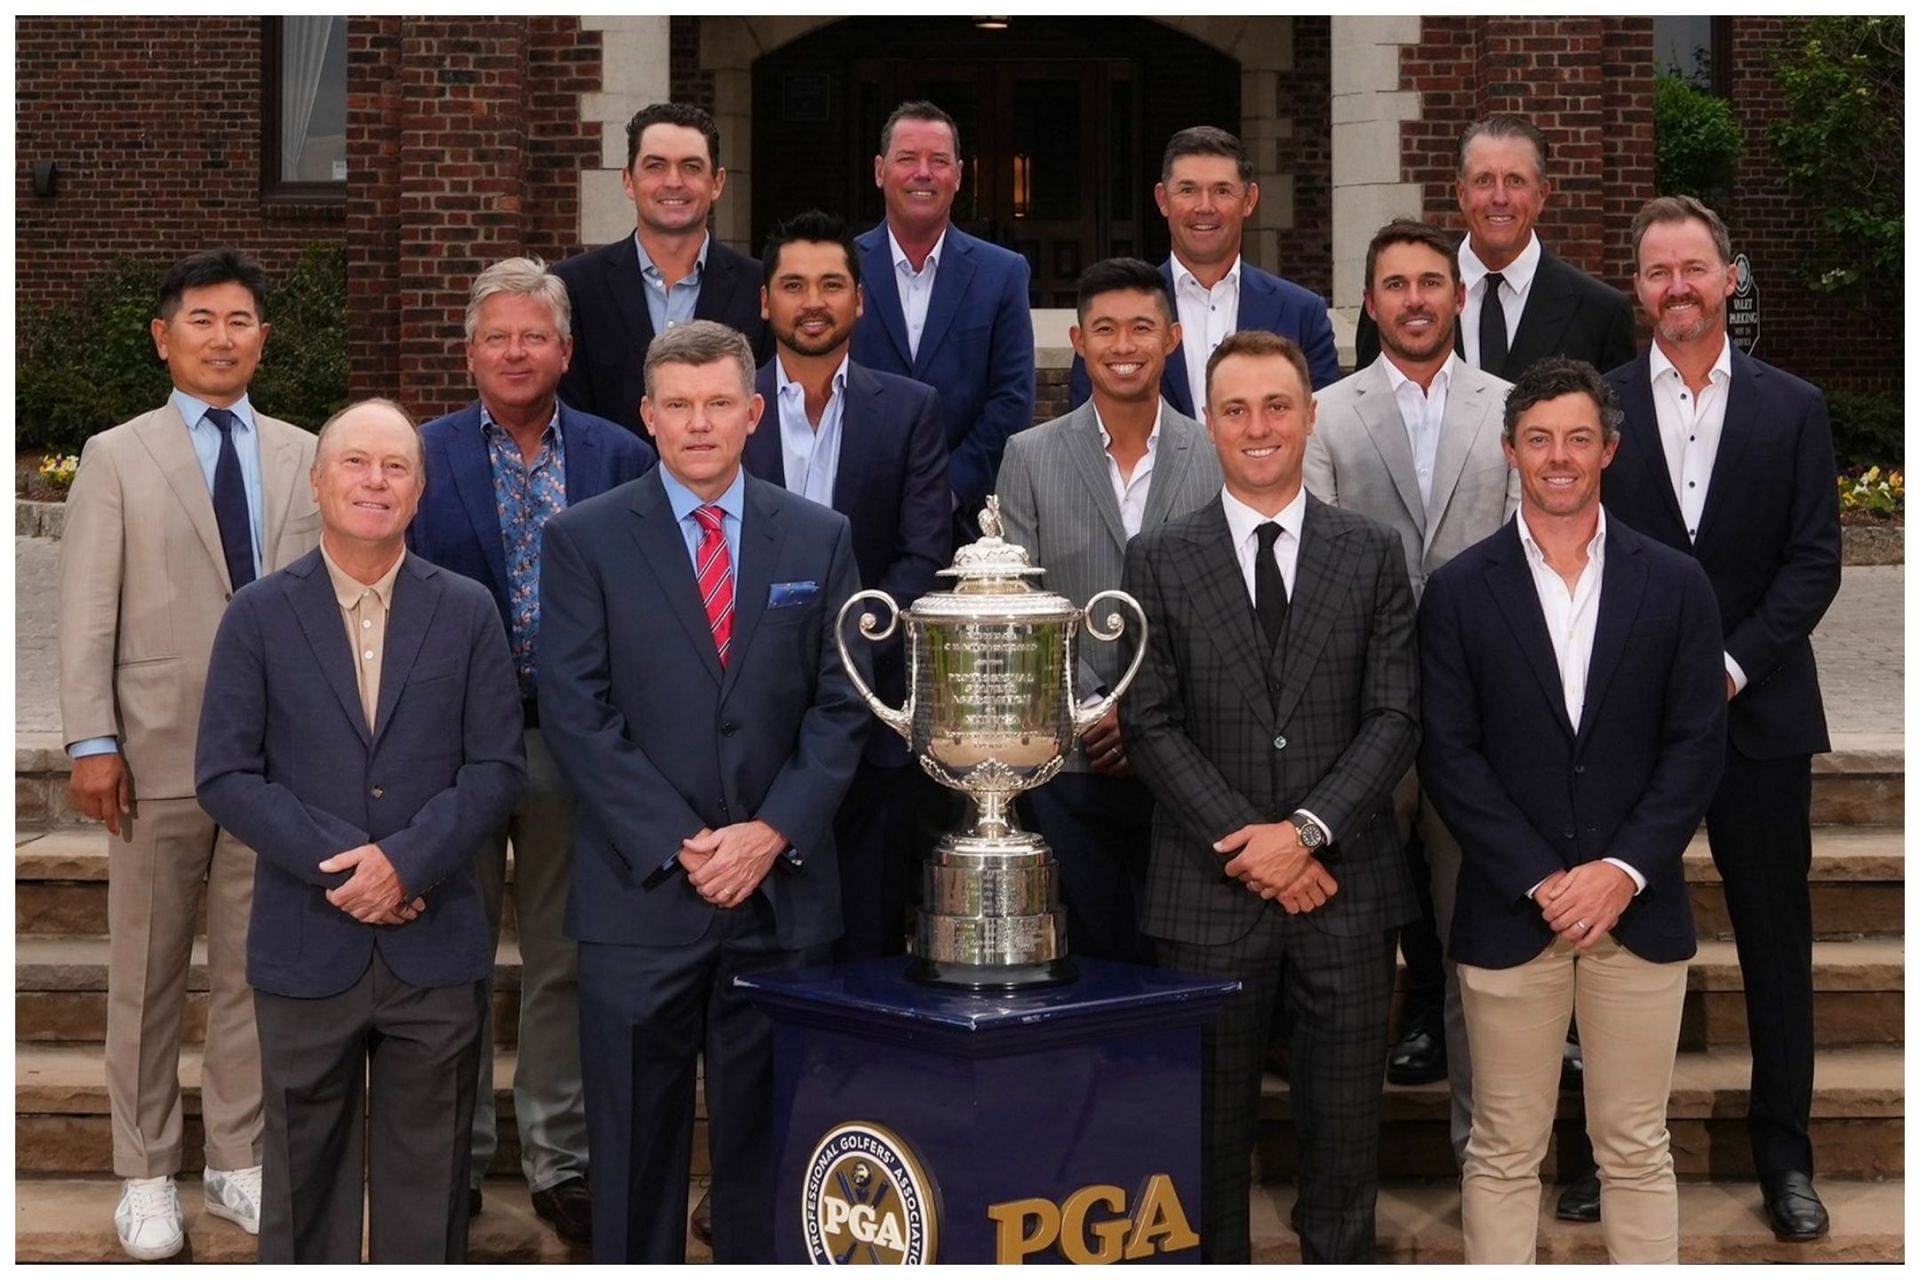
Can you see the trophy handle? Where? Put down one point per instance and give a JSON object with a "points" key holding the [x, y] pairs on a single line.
{"points": [[900, 720], [1085, 718]]}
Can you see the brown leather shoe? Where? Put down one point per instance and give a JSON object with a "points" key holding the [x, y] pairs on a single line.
{"points": [[702, 1222], [568, 1208]]}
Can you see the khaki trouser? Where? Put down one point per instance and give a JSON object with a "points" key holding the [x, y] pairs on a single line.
{"points": [[1629, 1012], [167, 853]]}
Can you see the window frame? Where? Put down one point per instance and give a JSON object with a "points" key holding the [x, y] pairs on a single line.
{"points": [[273, 188]]}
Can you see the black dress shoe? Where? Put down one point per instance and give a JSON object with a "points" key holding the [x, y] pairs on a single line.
{"points": [[1573, 1067], [1794, 1209], [473, 1202], [1580, 1202], [1419, 1058], [702, 1222], [568, 1206]]}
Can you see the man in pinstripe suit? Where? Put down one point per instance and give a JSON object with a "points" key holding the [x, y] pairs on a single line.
{"points": [[1274, 712], [1073, 492]]}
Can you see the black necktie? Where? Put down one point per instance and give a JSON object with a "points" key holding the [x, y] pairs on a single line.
{"points": [[1269, 588], [1493, 329], [230, 504]]}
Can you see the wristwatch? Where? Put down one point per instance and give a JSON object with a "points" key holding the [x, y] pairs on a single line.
{"points": [[1312, 834]]}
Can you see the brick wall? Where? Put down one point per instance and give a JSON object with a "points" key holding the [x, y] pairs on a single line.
{"points": [[473, 145], [155, 126], [1586, 82], [1306, 252], [1819, 338], [690, 83]]}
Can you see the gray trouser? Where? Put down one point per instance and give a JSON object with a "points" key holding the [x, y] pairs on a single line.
{"points": [[549, 1103]]}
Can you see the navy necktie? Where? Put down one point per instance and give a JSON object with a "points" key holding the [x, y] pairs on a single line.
{"points": [[230, 509], [1493, 328]]}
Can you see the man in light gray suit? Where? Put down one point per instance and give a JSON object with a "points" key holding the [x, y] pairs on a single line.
{"points": [[1073, 491], [1413, 441]]}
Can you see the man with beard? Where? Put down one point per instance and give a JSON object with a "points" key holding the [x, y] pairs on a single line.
{"points": [[1731, 461], [1413, 441], [869, 445]]}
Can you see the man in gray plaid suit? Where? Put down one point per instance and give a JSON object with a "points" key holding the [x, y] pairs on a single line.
{"points": [[1073, 491], [1274, 712]]}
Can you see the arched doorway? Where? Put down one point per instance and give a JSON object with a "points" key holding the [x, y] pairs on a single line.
{"points": [[1061, 121]]}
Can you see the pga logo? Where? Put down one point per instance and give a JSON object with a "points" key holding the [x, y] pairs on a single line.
{"points": [[867, 1198]]}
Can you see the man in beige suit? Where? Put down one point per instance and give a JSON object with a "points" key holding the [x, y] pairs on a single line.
{"points": [[170, 514], [1413, 441]]}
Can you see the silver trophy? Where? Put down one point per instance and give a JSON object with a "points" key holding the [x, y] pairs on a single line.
{"points": [[991, 711]]}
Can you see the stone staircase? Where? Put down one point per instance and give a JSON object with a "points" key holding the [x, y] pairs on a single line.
{"points": [[65, 1191]]}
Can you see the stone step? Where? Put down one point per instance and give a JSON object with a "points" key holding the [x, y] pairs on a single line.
{"points": [[1860, 782], [71, 1220]]}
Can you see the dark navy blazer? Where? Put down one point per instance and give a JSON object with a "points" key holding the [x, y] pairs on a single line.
{"points": [[1769, 538], [1266, 302], [286, 763], [976, 348], [892, 487], [458, 524], [658, 740], [1524, 794]]}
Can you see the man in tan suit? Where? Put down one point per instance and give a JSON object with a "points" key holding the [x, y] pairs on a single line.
{"points": [[170, 514]]}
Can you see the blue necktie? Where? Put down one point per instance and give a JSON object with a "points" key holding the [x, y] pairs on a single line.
{"points": [[230, 504]]}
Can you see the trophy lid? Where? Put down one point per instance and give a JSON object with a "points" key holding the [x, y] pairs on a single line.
{"points": [[993, 578]]}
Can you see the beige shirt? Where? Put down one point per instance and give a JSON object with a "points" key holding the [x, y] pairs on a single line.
{"points": [[363, 610]]}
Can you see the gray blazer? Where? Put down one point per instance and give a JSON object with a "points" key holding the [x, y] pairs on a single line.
{"points": [[1056, 500], [1359, 459]]}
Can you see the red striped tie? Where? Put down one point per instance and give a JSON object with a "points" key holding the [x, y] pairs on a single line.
{"points": [[714, 569]]}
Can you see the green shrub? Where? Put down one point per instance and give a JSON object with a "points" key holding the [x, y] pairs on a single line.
{"points": [[1696, 141], [1869, 428], [80, 369]]}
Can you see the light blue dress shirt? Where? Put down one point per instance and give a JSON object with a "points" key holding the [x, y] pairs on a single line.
{"points": [[668, 307], [812, 456], [731, 503]]}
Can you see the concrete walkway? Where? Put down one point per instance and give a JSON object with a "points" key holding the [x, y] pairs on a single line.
{"points": [[1860, 646]]}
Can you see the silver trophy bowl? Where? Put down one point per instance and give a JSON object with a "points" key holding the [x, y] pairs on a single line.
{"points": [[991, 711]]}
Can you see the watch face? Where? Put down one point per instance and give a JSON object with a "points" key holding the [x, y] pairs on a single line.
{"points": [[1310, 833]]}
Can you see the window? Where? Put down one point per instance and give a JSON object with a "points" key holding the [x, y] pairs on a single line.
{"points": [[1697, 49], [304, 86]]}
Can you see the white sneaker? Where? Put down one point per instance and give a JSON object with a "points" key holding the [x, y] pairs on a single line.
{"points": [[235, 1196], [149, 1220]]}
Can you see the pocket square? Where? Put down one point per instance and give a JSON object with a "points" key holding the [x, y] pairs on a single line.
{"points": [[786, 595]]}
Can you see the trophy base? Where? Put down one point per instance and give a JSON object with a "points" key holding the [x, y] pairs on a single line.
{"points": [[990, 977]]}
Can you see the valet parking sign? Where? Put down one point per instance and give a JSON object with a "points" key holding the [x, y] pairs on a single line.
{"points": [[1743, 308]]}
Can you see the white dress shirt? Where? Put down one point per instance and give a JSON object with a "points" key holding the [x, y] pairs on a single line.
{"points": [[1421, 412], [916, 287], [1516, 283], [1207, 316], [811, 455], [1571, 615], [1131, 491], [1690, 430]]}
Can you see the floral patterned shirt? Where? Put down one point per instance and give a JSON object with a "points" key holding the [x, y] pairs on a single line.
{"points": [[526, 497]]}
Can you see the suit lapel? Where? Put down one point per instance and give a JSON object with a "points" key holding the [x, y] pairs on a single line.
{"points": [[1550, 305], [1744, 408], [1380, 413], [1642, 429], [861, 414], [279, 477], [1460, 428], [585, 466], [1323, 575], [165, 437], [1623, 581], [415, 597], [764, 456], [882, 291], [1082, 438], [950, 281], [1219, 591], [628, 289], [719, 281], [319, 613], [663, 549], [1510, 582], [759, 548], [473, 481], [1172, 457], [1260, 304], [1174, 387]]}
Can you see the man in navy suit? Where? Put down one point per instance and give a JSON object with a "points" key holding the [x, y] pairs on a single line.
{"points": [[870, 446], [669, 271], [944, 308], [692, 693], [1731, 461], [1206, 193], [1572, 724], [508, 463], [361, 734]]}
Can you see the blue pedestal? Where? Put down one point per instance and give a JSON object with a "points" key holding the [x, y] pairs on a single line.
{"points": [[924, 1124]]}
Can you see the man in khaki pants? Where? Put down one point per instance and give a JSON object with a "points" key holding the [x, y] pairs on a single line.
{"points": [[1573, 715], [170, 514]]}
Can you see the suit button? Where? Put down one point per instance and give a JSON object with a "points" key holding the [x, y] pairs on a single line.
{"points": [[1279, 744], [378, 792], [727, 727], [723, 806], [1567, 834], [1579, 768]]}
